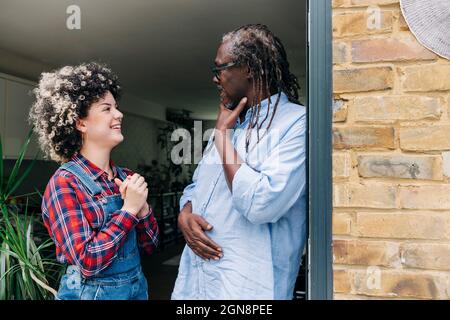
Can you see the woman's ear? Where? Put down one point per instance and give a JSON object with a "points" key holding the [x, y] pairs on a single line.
{"points": [[80, 126]]}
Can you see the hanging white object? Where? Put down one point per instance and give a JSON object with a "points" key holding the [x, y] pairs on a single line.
{"points": [[429, 21]]}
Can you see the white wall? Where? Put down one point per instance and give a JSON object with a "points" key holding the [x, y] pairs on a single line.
{"points": [[2, 105], [16, 99], [139, 145], [15, 102], [143, 108]]}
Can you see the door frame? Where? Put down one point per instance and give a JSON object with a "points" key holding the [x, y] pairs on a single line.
{"points": [[319, 101]]}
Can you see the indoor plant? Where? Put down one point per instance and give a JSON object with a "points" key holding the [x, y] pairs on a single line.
{"points": [[27, 269]]}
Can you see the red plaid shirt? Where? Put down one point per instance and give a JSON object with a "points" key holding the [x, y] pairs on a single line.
{"points": [[73, 220]]}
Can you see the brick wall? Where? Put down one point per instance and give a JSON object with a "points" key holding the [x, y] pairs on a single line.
{"points": [[391, 159]]}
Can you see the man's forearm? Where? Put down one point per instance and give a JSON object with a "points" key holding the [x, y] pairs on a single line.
{"points": [[230, 158]]}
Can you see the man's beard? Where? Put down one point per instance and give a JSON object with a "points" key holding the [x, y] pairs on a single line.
{"points": [[225, 99]]}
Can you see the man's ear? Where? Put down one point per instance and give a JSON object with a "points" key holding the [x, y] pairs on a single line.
{"points": [[80, 126]]}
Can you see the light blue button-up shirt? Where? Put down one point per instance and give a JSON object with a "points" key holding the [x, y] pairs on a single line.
{"points": [[261, 224]]}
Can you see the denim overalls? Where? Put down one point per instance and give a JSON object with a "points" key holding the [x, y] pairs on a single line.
{"points": [[123, 278]]}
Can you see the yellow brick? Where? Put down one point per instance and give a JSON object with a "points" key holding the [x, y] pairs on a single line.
{"points": [[366, 253], [380, 50], [446, 163], [400, 166], [340, 108], [403, 25], [399, 283], [370, 195], [448, 104], [339, 3], [363, 79], [426, 255], [342, 223], [426, 78], [358, 23], [391, 108], [363, 138], [341, 281], [340, 296], [343, 296], [341, 165], [402, 225], [425, 138], [425, 197], [372, 2], [340, 50], [428, 136]]}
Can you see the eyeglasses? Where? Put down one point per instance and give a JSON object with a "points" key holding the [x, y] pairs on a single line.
{"points": [[217, 68]]}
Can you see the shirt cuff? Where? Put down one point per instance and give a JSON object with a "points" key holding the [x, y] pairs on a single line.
{"points": [[183, 201], [125, 219], [244, 185], [146, 222]]}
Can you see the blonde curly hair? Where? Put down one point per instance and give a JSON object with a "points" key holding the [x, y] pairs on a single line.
{"points": [[64, 96]]}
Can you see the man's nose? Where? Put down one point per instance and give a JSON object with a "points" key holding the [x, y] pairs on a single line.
{"points": [[215, 80]]}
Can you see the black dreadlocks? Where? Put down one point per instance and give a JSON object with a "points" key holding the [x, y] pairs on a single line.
{"points": [[255, 46]]}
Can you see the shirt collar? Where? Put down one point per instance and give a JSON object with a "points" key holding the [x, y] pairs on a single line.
{"points": [[90, 168], [265, 104]]}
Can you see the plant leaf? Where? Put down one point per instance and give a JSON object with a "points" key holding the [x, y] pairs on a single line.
{"points": [[1, 168], [16, 168]]}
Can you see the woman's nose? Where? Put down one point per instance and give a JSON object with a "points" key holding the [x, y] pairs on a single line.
{"points": [[118, 114]]}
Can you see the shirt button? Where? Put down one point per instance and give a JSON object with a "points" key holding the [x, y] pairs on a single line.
{"points": [[103, 201]]}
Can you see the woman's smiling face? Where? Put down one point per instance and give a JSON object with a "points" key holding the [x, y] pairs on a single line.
{"points": [[103, 125]]}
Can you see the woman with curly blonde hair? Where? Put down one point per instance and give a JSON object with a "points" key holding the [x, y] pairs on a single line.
{"points": [[95, 212]]}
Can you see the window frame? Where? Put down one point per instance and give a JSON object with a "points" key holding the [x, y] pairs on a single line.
{"points": [[319, 101]]}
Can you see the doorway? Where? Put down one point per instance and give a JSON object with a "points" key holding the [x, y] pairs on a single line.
{"points": [[162, 51]]}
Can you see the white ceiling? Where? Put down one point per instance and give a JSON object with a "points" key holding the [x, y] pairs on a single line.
{"points": [[161, 49]]}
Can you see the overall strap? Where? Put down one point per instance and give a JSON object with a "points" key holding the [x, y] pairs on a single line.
{"points": [[85, 179]]}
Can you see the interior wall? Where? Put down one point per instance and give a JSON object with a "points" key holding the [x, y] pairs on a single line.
{"points": [[140, 142]]}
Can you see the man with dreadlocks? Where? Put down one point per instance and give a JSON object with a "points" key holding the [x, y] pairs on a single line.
{"points": [[250, 183]]}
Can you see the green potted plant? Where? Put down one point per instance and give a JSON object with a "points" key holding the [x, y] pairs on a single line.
{"points": [[27, 270]]}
